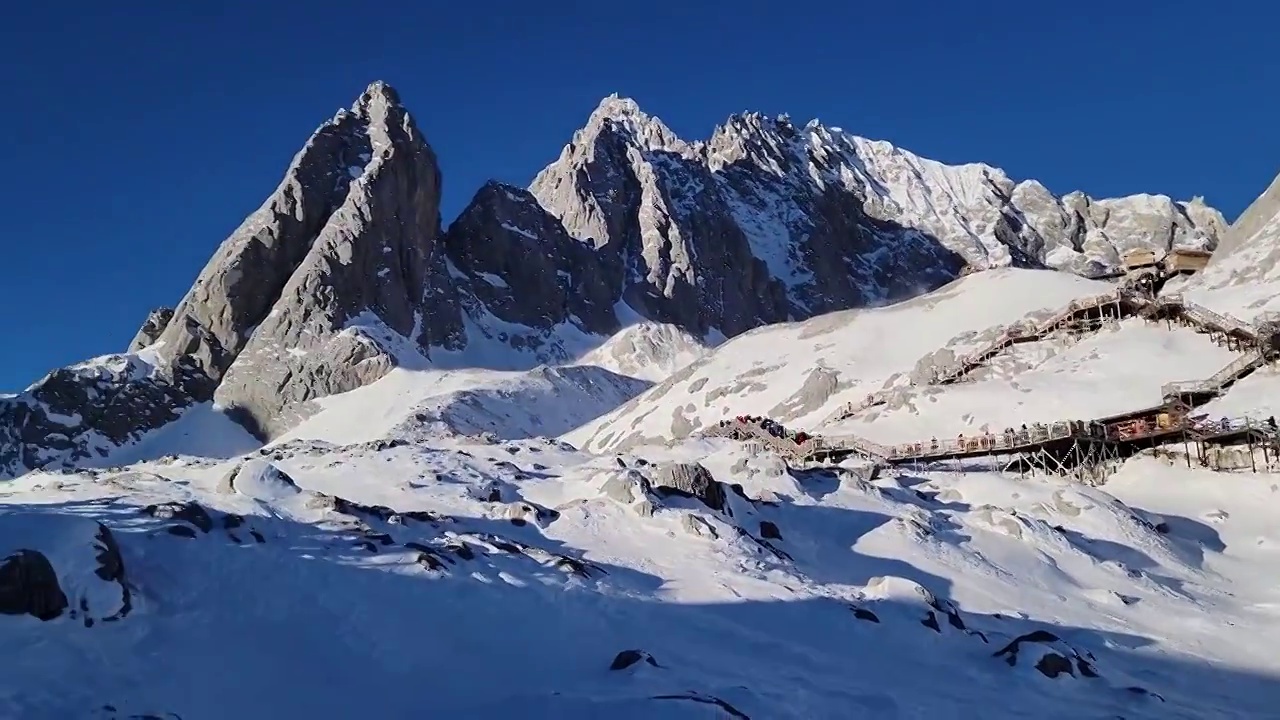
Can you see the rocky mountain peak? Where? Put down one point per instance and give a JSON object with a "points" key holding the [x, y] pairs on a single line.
{"points": [[1250, 249], [620, 120], [377, 99], [344, 273], [340, 255]]}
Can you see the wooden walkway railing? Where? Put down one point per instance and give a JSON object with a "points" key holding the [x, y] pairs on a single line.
{"points": [[1196, 314], [1040, 435], [1219, 381], [1010, 442], [1023, 330], [989, 443]]}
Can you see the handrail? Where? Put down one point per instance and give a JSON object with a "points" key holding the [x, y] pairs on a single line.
{"points": [[986, 443], [1025, 328], [1213, 383], [1226, 322], [1182, 387], [989, 441], [1217, 427], [1237, 367]]}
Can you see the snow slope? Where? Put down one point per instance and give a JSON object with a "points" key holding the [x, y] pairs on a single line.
{"points": [[649, 351], [420, 545], [800, 373], [481, 617], [1111, 372]]}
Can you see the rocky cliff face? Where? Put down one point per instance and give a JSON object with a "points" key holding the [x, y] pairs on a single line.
{"points": [[768, 220], [344, 272], [322, 288], [86, 410], [1250, 253]]}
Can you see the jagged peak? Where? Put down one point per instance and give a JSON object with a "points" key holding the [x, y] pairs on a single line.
{"points": [[379, 104], [379, 95], [752, 122], [623, 114], [509, 192], [616, 107]]}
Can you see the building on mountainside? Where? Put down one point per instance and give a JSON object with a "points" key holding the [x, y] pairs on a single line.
{"points": [[1143, 272], [1185, 261], [1139, 259]]}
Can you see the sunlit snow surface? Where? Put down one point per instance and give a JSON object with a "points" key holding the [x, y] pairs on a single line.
{"points": [[312, 607]]}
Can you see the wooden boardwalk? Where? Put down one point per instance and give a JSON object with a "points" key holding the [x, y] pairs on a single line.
{"points": [[1085, 441]]}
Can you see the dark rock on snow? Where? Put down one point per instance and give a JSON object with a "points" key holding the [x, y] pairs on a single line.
{"points": [[689, 480], [29, 586], [627, 658]]}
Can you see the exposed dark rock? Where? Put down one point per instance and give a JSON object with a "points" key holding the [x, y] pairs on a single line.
{"points": [[525, 268], [181, 531], [1057, 660], [1145, 692], [33, 582], [769, 531], [627, 658], [864, 614], [431, 560], [188, 512], [581, 568], [690, 480], [157, 320], [461, 550], [29, 586], [82, 411], [1052, 665]]}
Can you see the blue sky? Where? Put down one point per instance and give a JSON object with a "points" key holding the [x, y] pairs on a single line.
{"points": [[136, 140]]}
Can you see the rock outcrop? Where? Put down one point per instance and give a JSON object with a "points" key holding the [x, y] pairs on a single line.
{"points": [[525, 269], [54, 564], [334, 281], [690, 480], [29, 586], [351, 228], [85, 410], [155, 324]]}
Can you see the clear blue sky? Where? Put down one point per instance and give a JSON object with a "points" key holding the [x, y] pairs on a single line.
{"points": [[136, 140]]}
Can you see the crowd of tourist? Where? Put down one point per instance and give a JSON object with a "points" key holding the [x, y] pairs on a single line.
{"points": [[769, 425]]}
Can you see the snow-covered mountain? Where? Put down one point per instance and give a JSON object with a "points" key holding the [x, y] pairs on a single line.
{"points": [[1244, 275], [769, 221], [374, 557], [479, 486], [344, 273]]}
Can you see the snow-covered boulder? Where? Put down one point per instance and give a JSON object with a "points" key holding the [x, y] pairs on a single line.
{"points": [[258, 478], [58, 564]]}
